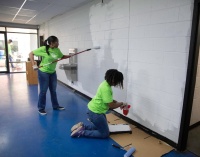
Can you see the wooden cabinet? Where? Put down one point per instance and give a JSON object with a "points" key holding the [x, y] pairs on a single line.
{"points": [[31, 75]]}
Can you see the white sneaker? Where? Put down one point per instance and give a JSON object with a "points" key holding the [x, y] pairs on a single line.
{"points": [[78, 132], [76, 126], [42, 112]]}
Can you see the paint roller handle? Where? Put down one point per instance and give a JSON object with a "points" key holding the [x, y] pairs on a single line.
{"points": [[52, 62], [79, 52], [95, 48], [65, 57], [117, 146]]}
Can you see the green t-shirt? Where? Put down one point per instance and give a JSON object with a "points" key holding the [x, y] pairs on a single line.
{"points": [[99, 104], [54, 54], [9, 49]]}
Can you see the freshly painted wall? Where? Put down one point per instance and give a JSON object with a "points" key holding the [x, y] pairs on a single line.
{"points": [[147, 40]]}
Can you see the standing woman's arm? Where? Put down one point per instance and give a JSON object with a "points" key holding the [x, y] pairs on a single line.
{"points": [[34, 64], [31, 56]]}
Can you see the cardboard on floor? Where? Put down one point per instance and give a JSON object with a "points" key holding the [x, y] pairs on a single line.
{"points": [[145, 144]]}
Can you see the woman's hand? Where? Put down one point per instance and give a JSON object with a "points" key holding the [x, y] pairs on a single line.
{"points": [[115, 104]]}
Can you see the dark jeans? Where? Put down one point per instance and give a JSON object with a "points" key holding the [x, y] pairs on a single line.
{"points": [[10, 60], [99, 126], [46, 81]]}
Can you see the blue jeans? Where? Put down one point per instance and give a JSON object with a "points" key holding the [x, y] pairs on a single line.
{"points": [[99, 126], [11, 59], [46, 81]]}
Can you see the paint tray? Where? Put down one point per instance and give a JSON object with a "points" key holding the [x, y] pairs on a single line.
{"points": [[119, 128]]}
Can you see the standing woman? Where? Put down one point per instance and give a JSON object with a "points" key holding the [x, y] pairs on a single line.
{"points": [[98, 106], [47, 75], [10, 53]]}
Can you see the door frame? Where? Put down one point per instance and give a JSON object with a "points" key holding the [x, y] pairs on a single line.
{"points": [[190, 78], [6, 52]]}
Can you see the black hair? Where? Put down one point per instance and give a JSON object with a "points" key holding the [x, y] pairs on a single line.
{"points": [[48, 41], [114, 78], [10, 40]]}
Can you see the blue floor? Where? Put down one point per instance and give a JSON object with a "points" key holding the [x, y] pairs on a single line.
{"points": [[25, 133]]}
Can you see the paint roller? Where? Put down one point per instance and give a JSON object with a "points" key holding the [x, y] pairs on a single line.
{"points": [[129, 152], [94, 48]]}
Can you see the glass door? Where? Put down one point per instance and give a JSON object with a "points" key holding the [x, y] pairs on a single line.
{"points": [[15, 46], [22, 42], [3, 53]]}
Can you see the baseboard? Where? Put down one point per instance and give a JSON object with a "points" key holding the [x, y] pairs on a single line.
{"points": [[148, 131], [194, 125], [74, 90]]}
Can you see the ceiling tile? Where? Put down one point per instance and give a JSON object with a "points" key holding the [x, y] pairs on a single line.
{"points": [[12, 3], [20, 21], [43, 9], [53, 10], [42, 1], [33, 5], [8, 10], [71, 3], [27, 12], [25, 18], [6, 17]]}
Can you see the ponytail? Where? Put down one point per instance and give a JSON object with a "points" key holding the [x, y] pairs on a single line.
{"points": [[48, 41], [47, 46]]}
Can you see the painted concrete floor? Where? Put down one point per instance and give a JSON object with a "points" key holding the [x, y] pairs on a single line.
{"points": [[25, 133], [193, 143]]}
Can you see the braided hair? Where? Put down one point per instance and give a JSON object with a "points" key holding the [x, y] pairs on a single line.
{"points": [[48, 41], [114, 78]]}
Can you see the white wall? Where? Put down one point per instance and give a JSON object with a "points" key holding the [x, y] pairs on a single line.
{"points": [[195, 116], [147, 40]]}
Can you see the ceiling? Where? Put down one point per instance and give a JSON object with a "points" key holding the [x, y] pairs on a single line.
{"points": [[35, 12]]}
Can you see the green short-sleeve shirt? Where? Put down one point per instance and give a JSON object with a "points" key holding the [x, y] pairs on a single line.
{"points": [[9, 49], [104, 95], [54, 54]]}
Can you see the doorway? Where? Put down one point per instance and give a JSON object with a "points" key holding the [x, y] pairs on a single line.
{"points": [[193, 143], [189, 136], [15, 46], [3, 53]]}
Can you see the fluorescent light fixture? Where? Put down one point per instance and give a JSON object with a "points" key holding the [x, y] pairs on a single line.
{"points": [[19, 10], [31, 18]]}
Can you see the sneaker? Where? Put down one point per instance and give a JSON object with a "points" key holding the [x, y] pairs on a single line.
{"points": [[76, 126], [42, 112], [59, 108], [78, 132]]}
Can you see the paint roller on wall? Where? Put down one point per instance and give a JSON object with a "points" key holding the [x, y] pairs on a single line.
{"points": [[94, 48]]}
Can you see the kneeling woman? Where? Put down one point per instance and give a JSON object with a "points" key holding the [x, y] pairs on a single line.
{"points": [[98, 106]]}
